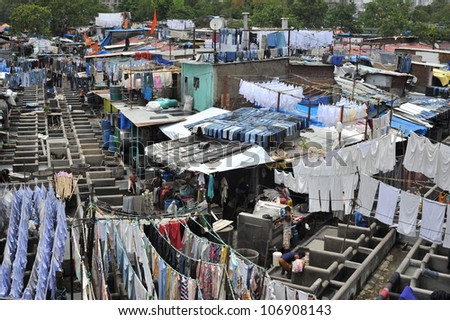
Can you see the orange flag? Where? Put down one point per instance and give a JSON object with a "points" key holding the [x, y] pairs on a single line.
{"points": [[154, 23]]}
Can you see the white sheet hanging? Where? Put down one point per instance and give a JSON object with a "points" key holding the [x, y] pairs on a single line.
{"points": [[349, 185], [409, 208], [442, 178], [381, 125], [324, 188], [330, 114], [366, 194], [387, 203], [314, 202], [336, 190], [433, 213], [446, 243], [421, 155]]}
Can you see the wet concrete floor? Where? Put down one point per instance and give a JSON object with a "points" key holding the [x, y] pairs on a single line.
{"points": [[382, 274]]}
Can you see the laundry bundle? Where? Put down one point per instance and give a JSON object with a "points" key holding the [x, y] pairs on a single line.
{"points": [[63, 184]]}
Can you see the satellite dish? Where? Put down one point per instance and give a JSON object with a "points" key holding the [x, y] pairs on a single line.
{"points": [[216, 23]]}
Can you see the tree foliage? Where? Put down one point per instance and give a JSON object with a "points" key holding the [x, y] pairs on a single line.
{"points": [[67, 14], [343, 16], [310, 13], [31, 19], [268, 15], [391, 17]]}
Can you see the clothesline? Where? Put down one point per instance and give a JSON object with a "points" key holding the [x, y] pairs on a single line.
{"points": [[215, 235], [179, 273], [447, 232]]}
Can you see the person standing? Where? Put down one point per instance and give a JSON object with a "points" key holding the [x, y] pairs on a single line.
{"points": [[132, 180]]}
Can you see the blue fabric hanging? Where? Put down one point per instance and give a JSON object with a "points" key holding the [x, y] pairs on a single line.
{"points": [[211, 186], [20, 261], [59, 245], [44, 260], [44, 246], [11, 244]]}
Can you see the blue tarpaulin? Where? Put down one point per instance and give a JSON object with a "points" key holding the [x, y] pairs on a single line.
{"points": [[163, 61], [406, 127]]}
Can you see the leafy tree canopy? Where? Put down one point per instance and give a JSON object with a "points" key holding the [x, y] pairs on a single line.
{"points": [[31, 19], [390, 17]]}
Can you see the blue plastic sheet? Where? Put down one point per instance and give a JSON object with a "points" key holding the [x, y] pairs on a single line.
{"points": [[406, 127]]}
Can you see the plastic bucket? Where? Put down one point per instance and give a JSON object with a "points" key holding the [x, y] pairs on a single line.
{"points": [[115, 93], [112, 143], [251, 255], [106, 125], [226, 234], [276, 258], [106, 135]]}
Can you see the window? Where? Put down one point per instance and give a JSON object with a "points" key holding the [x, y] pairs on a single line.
{"points": [[196, 82]]}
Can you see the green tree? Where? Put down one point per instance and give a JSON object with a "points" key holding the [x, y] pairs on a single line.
{"points": [[31, 19], [428, 32], [441, 13], [181, 12], [343, 16], [141, 10], [66, 14], [391, 17], [268, 14], [421, 14], [310, 13]]}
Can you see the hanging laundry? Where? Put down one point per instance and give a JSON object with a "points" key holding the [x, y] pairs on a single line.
{"points": [[223, 191], [336, 190], [201, 179], [366, 194], [11, 244], [409, 209], [446, 243], [442, 178], [324, 190], [314, 200], [20, 261], [421, 155], [433, 214], [381, 125], [387, 203], [211, 186], [349, 185], [350, 112]]}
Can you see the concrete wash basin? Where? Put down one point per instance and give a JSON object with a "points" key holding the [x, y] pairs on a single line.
{"points": [[424, 269], [341, 260]]}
